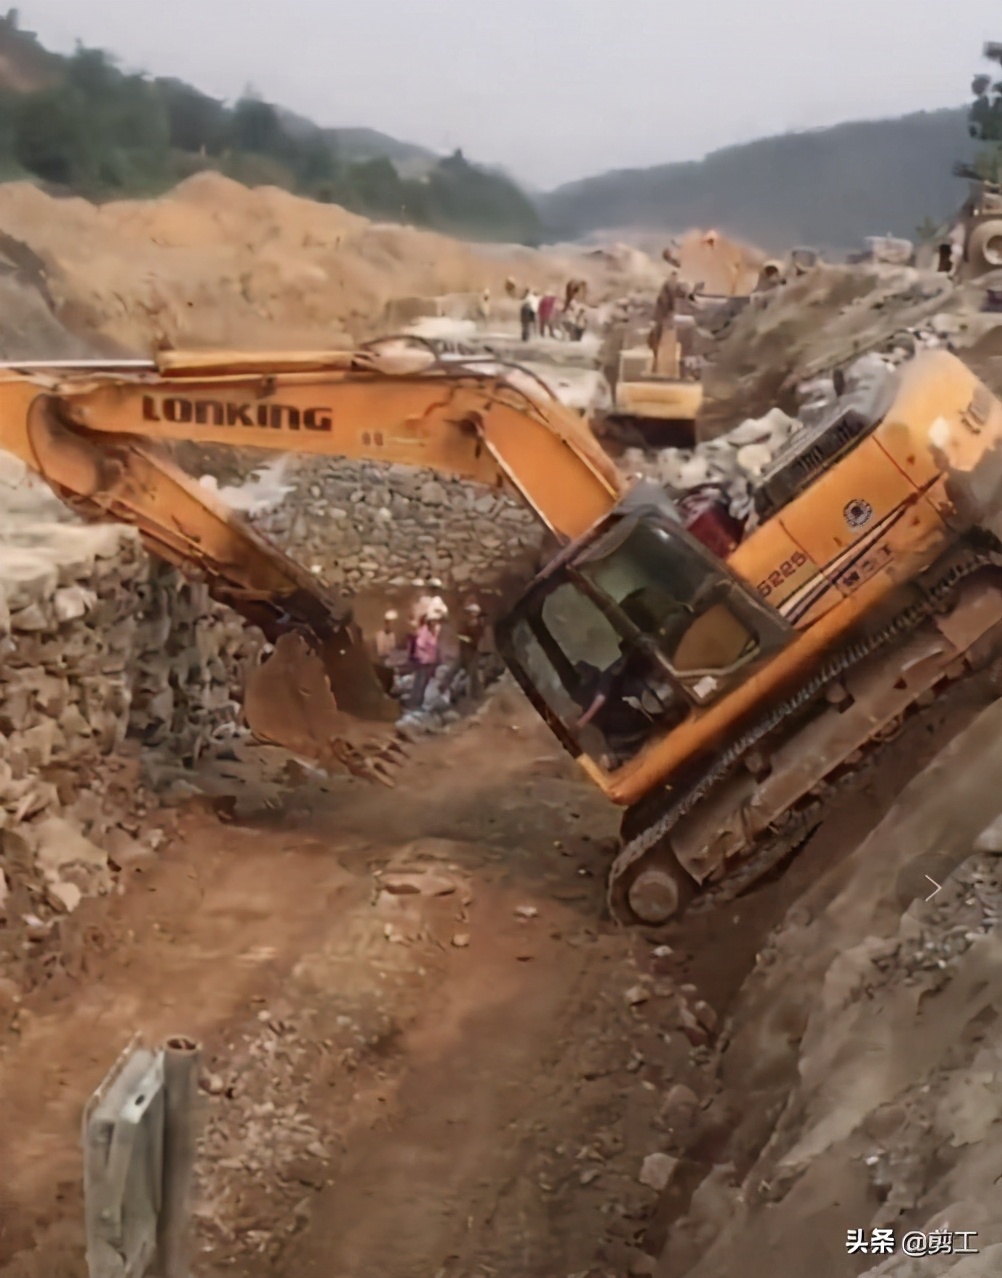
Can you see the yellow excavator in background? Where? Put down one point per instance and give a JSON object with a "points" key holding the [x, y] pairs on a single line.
{"points": [[717, 688]]}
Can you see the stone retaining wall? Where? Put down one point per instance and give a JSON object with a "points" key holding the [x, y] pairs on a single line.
{"points": [[98, 642], [366, 523]]}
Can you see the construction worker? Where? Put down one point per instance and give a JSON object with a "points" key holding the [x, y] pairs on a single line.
{"points": [[385, 642], [663, 339], [471, 640], [386, 645], [770, 277], [425, 658], [576, 322], [547, 315], [437, 607], [574, 292], [429, 602], [529, 314]]}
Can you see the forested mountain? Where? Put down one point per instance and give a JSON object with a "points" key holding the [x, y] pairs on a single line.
{"points": [[829, 187]]}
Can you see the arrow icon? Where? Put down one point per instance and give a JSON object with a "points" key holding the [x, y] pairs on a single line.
{"points": [[937, 886]]}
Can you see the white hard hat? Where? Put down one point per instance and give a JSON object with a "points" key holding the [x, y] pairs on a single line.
{"points": [[435, 583], [390, 614], [418, 581], [473, 607], [438, 612]]}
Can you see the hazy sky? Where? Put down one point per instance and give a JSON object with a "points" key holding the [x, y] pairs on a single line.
{"points": [[552, 89]]}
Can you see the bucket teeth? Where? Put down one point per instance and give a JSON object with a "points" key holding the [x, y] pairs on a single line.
{"points": [[370, 761], [289, 702]]}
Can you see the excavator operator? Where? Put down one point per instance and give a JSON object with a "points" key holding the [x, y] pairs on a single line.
{"points": [[624, 702], [612, 703]]}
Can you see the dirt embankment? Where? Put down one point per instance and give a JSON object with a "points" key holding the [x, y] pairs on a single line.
{"points": [[723, 265], [859, 1067], [214, 263]]}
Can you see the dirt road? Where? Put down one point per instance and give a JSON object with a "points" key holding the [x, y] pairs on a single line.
{"points": [[396, 1082]]}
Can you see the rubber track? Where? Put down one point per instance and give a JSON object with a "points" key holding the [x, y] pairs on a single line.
{"points": [[936, 595]]}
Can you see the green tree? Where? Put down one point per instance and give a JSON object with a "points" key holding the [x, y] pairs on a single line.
{"points": [[54, 140], [466, 200], [985, 116], [93, 72], [375, 187], [315, 165], [103, 132], [254, 126], [98, 131], [197, 123], [10, 106]]}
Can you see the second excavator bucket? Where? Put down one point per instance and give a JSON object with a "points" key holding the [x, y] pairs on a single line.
{"points": [[290, 701]]}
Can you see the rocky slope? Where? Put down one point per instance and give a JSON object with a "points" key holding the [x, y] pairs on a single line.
{"points": [[859, 1070]]}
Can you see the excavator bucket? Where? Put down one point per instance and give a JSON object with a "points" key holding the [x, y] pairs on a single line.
{"points": [[290, 701]]}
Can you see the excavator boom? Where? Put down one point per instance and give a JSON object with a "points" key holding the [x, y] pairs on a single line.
{"points": [[408, 408], [92, 432]]}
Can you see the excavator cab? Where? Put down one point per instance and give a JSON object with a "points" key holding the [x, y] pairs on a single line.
{"points": [[639, 623]]}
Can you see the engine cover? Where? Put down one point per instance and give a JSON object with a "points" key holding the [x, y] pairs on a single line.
{"points": [[814, 450]]}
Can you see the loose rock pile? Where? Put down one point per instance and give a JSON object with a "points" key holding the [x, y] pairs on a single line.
{"points": [[369, 523], [814, 324], [732, 463]]}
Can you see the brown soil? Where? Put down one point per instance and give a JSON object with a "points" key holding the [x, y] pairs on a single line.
{"points": [[216, 264], [416, 1084], [390, 1098]]}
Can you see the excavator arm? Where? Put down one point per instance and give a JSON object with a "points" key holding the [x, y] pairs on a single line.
{"points": [[93, 434]]}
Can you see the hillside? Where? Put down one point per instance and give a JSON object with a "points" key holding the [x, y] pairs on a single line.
{"points": [[359, 144], [79, 125], [830, 187], [214, 264], [24, 65]]}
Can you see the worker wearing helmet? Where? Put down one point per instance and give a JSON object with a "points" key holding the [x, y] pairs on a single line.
{"points": [[663, 339], [387, 646], [770, 277], [471, 647]]}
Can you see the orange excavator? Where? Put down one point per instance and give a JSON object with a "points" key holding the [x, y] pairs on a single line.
{"points": [[718, 684]]}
